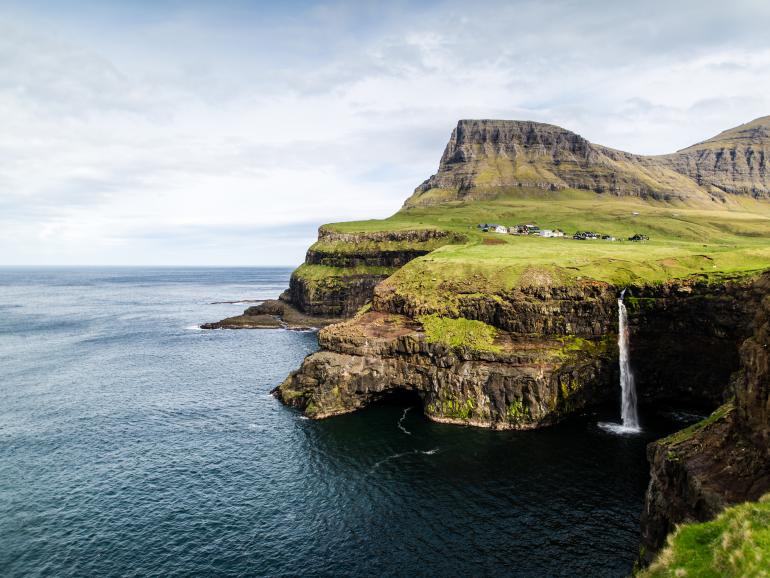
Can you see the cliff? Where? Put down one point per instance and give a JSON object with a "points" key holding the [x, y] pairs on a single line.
{"points": [[342, 269], [735, 161], [519, 332], [723, 460], [529, 357]]}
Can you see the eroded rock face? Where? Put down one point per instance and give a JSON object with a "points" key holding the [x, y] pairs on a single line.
{"points": [[524, 383], [735, 161], [555, 353], [722, 461], [353, 264], [333, 296]]}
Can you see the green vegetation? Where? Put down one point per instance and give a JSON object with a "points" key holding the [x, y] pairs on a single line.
{"points": [[371, 247], [455, 408], [459, 333], [685, 434], [323, 273], [517, 411], [735, 544], [726, 241]]}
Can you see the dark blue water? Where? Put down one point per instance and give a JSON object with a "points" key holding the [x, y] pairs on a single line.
{"points": [[133, 444]]}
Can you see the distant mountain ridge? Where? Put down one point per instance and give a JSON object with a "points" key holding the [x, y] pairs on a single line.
{"points": [[485, 158]]}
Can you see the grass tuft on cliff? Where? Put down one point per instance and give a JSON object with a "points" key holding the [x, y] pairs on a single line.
{"points": [[459, 333], [735, 544]]}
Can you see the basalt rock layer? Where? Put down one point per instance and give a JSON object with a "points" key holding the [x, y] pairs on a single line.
{"points": [[724, 460], [554, 352], [341, 270]]}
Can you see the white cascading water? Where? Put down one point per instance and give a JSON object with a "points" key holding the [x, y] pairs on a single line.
{"points": [[628, 415]]}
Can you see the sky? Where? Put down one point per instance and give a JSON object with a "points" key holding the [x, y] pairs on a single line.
{"points": [[225, 132]]}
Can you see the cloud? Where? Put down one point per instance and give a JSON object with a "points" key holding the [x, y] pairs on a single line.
{"points": [[165, 132]]}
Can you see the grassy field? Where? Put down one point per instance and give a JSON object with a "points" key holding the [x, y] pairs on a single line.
{"points": [[732, 239]]}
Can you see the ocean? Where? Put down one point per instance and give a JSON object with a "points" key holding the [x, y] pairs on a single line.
{"points": [[133, 443]]}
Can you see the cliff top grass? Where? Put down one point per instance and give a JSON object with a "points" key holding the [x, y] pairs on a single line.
{"points": [[459, 333], [732, 239], [736, 543]]}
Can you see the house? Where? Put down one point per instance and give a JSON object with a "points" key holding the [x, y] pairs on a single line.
{"points": [[546, 233], [558, 233], [499, 229]]}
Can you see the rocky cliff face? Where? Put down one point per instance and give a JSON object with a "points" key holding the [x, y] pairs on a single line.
{"points": [[735, 161], [522, 382], [554, 352], [341, 270], [485, 158], [724, 460]]}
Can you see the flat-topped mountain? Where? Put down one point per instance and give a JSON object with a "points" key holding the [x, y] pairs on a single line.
{"points": [[487, 158]]}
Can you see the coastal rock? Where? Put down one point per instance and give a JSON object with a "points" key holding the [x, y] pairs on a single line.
{"points": [[522, 383], [342, 269], [270, 314], [554, 352], [721, 461]]}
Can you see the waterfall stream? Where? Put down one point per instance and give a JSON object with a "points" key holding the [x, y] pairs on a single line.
{"points": [[629, 417]]}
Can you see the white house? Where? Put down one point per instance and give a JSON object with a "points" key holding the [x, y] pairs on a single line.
{"points": [[546, 233], [501, 229]]}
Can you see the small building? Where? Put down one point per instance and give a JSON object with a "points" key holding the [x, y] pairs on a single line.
{"points": [[558, 233], [500, 229], [546, 233]]}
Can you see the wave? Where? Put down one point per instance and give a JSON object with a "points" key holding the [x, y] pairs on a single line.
{"points": [[400, 422], [401, 455]]}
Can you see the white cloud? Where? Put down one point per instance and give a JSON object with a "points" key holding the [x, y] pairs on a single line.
{"points": [[144, 137]]}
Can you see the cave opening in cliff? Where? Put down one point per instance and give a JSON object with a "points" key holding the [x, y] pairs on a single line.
{"points": [[401, 397]]}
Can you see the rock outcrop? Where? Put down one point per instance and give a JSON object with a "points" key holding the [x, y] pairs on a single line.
{"points": [[554, 352], [341, 269], [271, 314], [723, 460]]}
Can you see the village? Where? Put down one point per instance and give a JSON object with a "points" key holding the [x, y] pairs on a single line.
{"points": [[534, 230]]}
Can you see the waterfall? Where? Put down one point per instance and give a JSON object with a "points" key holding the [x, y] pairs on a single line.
{"points": [[628, 414]]}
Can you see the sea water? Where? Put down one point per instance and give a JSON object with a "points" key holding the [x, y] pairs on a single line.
{"points": [[134, 444]]}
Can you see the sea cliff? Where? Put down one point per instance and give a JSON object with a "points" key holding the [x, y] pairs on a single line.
{"points": [[520, 332]]}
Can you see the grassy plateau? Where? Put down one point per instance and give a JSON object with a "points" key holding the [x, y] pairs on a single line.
{"points": [[726, 239]]}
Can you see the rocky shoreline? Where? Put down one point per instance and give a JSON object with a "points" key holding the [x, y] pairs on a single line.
{"points": [[272, 314]]}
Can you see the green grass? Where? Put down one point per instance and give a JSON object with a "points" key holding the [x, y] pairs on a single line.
{"points": [[726, 240], [686, 433], [735, 544], [323, 273], [459, 333]]}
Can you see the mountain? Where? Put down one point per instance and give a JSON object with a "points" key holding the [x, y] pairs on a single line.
{"points": [[735, 161], [487, 158]]}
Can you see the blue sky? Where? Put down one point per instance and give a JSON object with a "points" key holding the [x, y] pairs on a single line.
{"points": [[224, 133]]}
